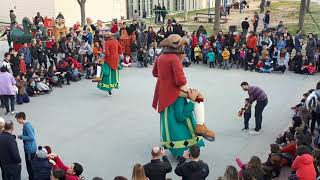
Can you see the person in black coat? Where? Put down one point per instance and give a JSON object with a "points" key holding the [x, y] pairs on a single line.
{"points": [[41, 165], [15, 61], [194, 169], [10, 160], [157, 169]]}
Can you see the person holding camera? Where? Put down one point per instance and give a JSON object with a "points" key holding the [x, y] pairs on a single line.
{"points": [[193, 169], [157, 169]]}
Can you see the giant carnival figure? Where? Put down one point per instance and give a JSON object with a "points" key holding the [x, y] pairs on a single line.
{"points": [[59, 29], [21, 35], [181, 108]]}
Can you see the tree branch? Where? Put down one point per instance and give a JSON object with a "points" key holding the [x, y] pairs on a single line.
{"points": [[79, 2]]}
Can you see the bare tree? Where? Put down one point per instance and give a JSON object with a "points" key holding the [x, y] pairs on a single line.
{"points": [[308, 6], [216, 27], [82, 4], [302, 14]]}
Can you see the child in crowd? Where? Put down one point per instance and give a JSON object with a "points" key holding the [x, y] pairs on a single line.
{"points": [[142, 58], [246, 112], [22, 95], [97, 51], [226, 58], [134, 50], [197, 54], [22, 64], [219, 58], [186, 62], [151, 53], [309, 69], [266, 67], [211, 58]]}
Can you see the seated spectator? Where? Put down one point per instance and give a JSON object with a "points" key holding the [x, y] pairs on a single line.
{"points": [[266, 66], [42, 85], [231, 173], [308, 69], [282, 61], [31, 88], [246, 176], [138, 173], [295, 61], [41, 165], [22, 96], [273, 164], [58, 174], [194, 169], [55, 78], [73, 172], [303, 164], [157, 169]]}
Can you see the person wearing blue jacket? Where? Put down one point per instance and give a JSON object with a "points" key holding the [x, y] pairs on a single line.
{"points": [[29, 141]]}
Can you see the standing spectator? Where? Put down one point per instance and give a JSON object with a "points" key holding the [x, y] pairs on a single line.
{"points": [[255, 22], [156, 14], [311, 48], [262, 6], [15, 63], [10, 160], [27, 55], [280, 28], [7, 89], [298, 41], [164, 13], [135, 16], [151, 36], [194, 169], [303, 164], [12, 19], [138, 173], [158, 9], [29, 141], [144, 14], [41, 165], [252, 41], [266, 20], [160, 34], [34, 54], [245, 26], [312, 104], [6, 62], [226, 58], [156, 169], [38, 19], [256, 94]]}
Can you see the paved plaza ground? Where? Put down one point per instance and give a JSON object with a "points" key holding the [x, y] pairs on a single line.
{"points": [[108, 135]]}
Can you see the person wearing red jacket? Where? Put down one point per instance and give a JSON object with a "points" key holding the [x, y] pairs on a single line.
{"points": [[73, 172], [303, 164], [252, 41]]}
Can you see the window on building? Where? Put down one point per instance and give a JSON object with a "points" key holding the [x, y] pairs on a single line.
{"points": [[168, 5], [175, 5], [183, 6]]}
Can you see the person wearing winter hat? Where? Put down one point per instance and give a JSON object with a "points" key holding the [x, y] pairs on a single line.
{"points": [[303, 164], [41, 165]]}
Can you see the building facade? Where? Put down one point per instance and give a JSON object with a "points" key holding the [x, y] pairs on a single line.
{"points": [[104, 10]]}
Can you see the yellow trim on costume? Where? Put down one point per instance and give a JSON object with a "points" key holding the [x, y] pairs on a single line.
{"points": [[109, 85], [181, 144], [166, 124]]}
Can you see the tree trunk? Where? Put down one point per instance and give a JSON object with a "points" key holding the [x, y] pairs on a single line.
{"points": [[302, 14], [217, 17], [308, 6], [83, 14], [185, 10]]}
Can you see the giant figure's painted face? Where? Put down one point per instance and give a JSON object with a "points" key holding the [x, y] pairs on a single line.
{"points": [[59, 23]]}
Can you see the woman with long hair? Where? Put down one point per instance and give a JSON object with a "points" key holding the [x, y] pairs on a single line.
{"points": [[231, 173], [138, 173]]}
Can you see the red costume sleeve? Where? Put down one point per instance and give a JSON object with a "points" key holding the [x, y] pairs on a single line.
{"points": [[59, 164], [178, 73], [155, 70]]}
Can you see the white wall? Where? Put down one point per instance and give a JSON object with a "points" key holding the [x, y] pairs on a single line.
{"points": [[103, 10], [25, 8]]}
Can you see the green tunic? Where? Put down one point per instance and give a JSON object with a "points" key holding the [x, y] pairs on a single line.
{"points": [[109, 78], [177, 127]]}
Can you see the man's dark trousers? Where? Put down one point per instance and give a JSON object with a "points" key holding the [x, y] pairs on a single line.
{"points": [[258, 113], [11, 172]]}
